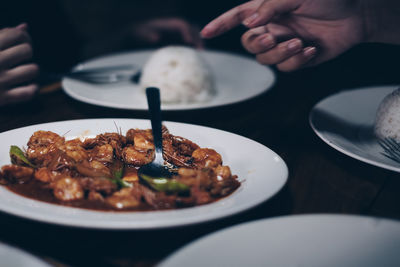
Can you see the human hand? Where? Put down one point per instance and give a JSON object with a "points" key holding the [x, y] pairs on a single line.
{"points": [[294, 33], [157, 30], [15, 73]]}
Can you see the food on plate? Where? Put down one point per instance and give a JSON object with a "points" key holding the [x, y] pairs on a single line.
{"points": [[101, 172], [181, 74], [387, 122]]}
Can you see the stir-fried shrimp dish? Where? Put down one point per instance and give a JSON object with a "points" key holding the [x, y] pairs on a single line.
{"points": [[101, 173]]}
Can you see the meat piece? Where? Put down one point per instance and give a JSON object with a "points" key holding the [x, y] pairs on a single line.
{"points": [[67, 189], [95, 196], [201, 179], [16, 174], [224, 182], [93, 169], [43, 175], [102, 185], [59, 161], [201, 197], [125, 198], [158, 200]]}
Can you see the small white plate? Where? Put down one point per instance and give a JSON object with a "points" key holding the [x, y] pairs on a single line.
{"points": [[261, 172], [307, 240], [11, 256], [345, 121], [237, 78]]}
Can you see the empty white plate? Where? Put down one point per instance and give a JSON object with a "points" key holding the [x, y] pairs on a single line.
{"points": [[15, 257], [306, 240]]}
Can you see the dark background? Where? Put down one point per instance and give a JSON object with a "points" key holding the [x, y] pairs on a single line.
{"points": [[60, 29], [321, 179]]}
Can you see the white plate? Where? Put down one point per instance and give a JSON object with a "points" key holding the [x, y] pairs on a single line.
{"points": [[261, 171], [307, 240], [345, 122], [237, 78], [11, 256]]}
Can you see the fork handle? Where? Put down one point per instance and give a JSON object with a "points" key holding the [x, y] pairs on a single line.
{"points": [[153, 100]]}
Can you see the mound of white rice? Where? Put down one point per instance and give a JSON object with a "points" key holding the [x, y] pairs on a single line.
{"points": [[387, 122], [180, 73]]}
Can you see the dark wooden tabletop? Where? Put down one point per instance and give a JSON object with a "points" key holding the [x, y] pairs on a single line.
{"points": [[321, 179]]}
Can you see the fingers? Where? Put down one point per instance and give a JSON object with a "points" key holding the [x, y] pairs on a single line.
{"points": [[19, 94], [258, 40], [12, 36], [299, 60], [268, 10], [288, 56], [15, 55], [280, 52], [251, 14], [230, 19], [18, 75], [22, 26]]}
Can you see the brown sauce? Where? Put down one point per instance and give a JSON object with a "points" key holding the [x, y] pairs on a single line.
{"points": [[37, 190]]}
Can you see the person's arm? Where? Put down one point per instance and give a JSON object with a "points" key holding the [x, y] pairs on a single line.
{"points": [[296, 33], [16, 73]]}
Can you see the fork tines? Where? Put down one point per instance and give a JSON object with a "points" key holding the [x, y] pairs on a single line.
{"points": [[391, 148]]}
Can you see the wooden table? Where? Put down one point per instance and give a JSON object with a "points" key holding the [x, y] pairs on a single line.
{"points": [[321, 180]]}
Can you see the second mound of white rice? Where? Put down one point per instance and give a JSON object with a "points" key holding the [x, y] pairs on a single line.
{"points": [[387, 122], [180, 73]]}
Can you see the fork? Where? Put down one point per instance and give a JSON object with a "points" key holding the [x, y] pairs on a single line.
{"points": [[97, 75], [156, 168], [391, 148]]}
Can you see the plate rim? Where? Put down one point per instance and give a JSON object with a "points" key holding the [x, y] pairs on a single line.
{"points": [[76, 96], [338, 147], [284, 173]]}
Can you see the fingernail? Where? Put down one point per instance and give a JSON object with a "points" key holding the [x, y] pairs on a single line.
{"points": [[251, 20], [22, 26], [294, 45], [267, 41], [309, 51], [206, 31]]}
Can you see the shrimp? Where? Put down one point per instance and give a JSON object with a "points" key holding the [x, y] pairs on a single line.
{"points": [[178, 150], [206, 158], [68, 189], [16, 174], [103, 153], [41, 145], [125, 198], [140, 138], [115, 140], [43, 175], [136, 157], [74, 149]]}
